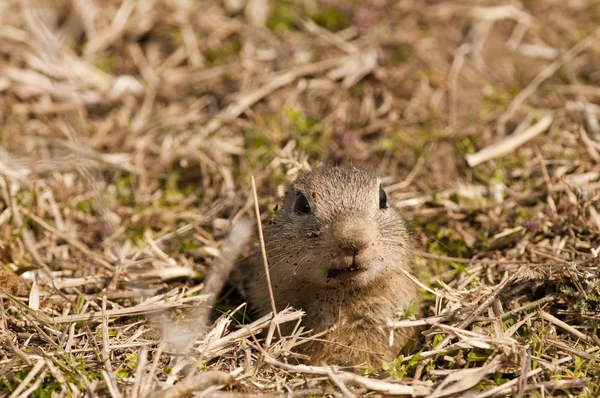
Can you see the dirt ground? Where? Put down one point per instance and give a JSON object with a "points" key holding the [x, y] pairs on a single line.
{"points": [[130, 131]]}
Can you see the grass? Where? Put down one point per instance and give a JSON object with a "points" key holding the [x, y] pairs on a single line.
{"points": [[129, 134]]}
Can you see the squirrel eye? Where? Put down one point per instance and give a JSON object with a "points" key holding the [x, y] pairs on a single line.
{"points": [[382, 198], [301, 206]]}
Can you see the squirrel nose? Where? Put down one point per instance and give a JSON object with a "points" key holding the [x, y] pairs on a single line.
{"points": [[353, 237], [353, 247]]}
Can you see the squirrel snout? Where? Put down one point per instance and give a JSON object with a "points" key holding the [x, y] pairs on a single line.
{"points": [[353, 247], [353, 239]]}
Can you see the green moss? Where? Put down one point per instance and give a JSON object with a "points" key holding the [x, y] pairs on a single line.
{"points": [[176, 37], [331, 19], [281, 19], [312, 138], [446, 242], [310, 135], [124, 189], [495, 99], [396, 144], [387, 144], [424, 136], [499, 175], [223, 53], [173, 195], [105, 64], [256, 139], [135, 232], [464, 145], [182, 244], [85, 206], [259, 145], [402, 54], [522, 214], [417, 221], [514, 160]]}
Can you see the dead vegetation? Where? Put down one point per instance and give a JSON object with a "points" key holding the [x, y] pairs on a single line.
{"points": [[130, 130]]}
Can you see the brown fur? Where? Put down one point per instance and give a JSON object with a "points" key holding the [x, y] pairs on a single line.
{"points": [[302, 248]]}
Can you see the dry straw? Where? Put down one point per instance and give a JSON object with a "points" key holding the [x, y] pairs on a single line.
{"points": [[130, 130]]}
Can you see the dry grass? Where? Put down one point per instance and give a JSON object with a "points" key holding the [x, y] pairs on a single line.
{"points": [[130, 131]]}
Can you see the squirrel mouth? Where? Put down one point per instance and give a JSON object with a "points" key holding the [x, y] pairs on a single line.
{"points": [[347, 271]]}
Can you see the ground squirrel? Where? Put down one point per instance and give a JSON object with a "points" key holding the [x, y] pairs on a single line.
{"points": [[335, 250]]}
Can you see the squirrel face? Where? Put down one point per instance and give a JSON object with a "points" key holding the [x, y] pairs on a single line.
{"points": [[337, 250], [337, 229]]}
